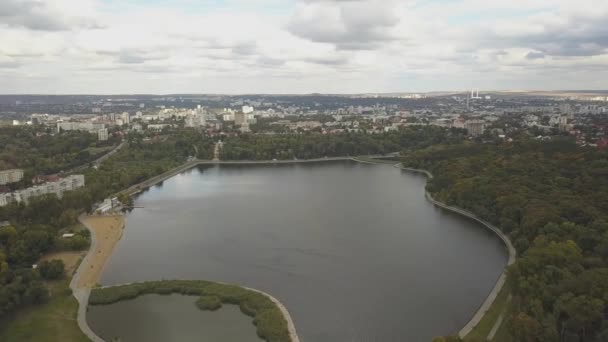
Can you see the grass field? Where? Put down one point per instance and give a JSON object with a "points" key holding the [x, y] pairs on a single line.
{"points": [[481, 331], [52, 322]]}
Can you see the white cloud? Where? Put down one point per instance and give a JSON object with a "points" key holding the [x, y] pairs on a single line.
{"points": [[311, 46]]}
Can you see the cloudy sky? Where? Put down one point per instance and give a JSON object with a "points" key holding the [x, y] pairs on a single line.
{"points": [[301, 46]]}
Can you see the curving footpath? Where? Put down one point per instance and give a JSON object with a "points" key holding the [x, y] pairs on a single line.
{"points": [[485, 306], [291, 327], [82, 293]]}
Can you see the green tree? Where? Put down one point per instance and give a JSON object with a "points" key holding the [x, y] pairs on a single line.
{"points": [[51, 270]]}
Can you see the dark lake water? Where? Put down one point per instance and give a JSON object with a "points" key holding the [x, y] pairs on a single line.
{"points": [[354, 251], [170, 318]]}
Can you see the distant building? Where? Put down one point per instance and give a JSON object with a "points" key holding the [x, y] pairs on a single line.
{"points": [[158, 127], [240, 118], [58, 187], [245, 128], [190, 121], [10, 176], [458, 123], [475, 127], [247, 109], [126, 119], [79, 126], [102, 134]]}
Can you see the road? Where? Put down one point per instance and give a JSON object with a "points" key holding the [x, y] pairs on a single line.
{"points": [[97, 161]]}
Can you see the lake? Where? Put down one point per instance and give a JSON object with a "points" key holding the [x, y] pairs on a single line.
{"points": [[170, 318], [354, 251]]}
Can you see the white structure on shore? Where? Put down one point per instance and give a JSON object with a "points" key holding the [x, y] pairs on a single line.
{"points": [[58, 188]]}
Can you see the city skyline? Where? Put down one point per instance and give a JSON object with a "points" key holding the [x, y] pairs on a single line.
{"points": [[300, 46]]}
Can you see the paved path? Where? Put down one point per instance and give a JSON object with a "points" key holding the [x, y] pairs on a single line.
{"points": [[498, 322], [97, 161], [485, 306], [291, 327], [82, 294]]}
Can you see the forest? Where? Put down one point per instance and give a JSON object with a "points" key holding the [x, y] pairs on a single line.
{"points": [[551, 198], [34, 229], [40, 153], [311, 145]]}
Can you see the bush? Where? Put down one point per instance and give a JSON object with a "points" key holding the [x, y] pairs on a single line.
{"points": [[51, 270], [209, 303]]}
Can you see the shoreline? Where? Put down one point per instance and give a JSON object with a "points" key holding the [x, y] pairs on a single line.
{"points": [[82, 293], [291, 327], [89, 271], [512, 253], [167, 284], [137, 188]]}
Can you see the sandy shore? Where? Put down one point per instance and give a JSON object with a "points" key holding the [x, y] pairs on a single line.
{"points": [[108, 231]]}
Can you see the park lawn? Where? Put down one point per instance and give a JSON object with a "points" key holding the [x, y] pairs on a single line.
{"points": [[51, 322], [481, 331]]}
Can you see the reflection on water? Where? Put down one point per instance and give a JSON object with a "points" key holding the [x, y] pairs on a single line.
{"points": [[354, 251], [155, 318]]}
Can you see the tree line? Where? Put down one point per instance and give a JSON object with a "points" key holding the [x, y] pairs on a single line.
{"points": [[38, 152], [310, 145], [551, 198]]}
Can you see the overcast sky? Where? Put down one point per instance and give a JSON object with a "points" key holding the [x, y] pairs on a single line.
{"points": [[301, 46]]}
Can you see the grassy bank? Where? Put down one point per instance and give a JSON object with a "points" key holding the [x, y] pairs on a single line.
{"points": [[501, 304], [50, 322], [267, 317]]}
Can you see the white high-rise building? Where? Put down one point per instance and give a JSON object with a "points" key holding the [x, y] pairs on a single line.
{"points": [[126, 119], [79, 126], [102, 134]]}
